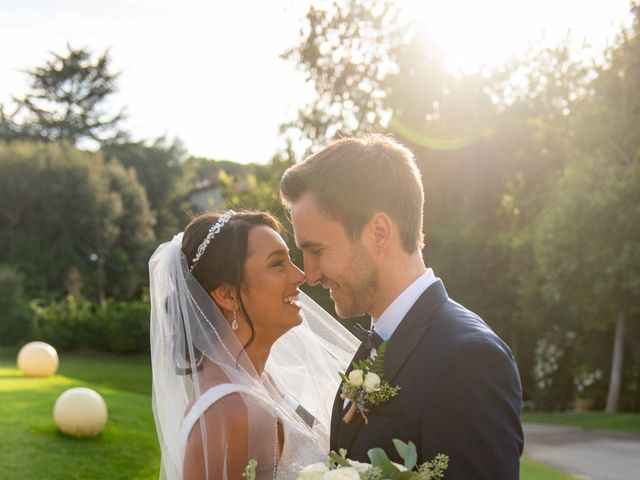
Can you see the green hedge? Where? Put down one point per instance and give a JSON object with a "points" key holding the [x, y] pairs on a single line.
{"points": [[70, 324], [14, 309]]}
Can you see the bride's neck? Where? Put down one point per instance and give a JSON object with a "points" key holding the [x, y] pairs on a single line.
{"points": [[258, 353]]}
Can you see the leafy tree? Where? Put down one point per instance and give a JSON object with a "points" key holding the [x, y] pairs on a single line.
{"points": [[11, 129], [346, 51], [258, 186], [610, 113], [534, 138], [62, 209], [66, 99], [160, 168], [595, 209], [126, 259], [586, 247]]}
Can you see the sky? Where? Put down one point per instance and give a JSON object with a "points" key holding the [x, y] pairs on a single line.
{"points": [[209, 72]]}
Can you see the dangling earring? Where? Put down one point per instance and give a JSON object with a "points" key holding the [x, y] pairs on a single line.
{"points": [[234, 324]]}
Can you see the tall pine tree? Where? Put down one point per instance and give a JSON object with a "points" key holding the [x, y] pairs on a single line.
{"points": [[66, 98]]}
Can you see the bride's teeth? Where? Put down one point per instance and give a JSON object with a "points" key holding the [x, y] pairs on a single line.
{"points": [[292, 299]]}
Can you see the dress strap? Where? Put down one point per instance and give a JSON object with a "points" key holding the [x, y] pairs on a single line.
{"points": [[201, 405]]}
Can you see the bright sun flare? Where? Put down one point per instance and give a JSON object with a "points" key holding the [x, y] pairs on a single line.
{"points": [[473, 33]]}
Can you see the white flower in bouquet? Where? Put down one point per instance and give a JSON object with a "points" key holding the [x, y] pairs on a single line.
{"points": [[344, 473], [371, 382], [359, 466], [355, 378], [400, 467], [315, 471]]}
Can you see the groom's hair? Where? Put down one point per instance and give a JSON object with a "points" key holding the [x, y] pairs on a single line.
{"points": [[353, 178]]}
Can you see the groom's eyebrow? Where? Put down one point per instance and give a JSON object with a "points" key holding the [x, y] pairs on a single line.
{"points": [[308, 244]]}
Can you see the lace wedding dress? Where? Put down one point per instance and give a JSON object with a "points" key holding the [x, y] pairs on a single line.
{"points": [[299, 450]]}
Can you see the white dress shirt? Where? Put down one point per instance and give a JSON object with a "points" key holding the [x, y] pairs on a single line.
{"points": [[398, 309]]}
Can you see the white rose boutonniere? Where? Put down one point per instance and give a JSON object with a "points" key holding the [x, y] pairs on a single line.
{"points": [[356, 378], [365, 386], [371, 382]]}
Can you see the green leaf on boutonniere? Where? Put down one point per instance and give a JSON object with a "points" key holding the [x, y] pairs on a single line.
{"points": [[377, 364], [407, 452]]}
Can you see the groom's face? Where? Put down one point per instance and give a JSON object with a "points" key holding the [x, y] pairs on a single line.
{"points": [[333, 259]]}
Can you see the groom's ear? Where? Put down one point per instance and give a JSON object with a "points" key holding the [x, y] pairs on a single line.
{"points": [[379, 232], [225, 297]]}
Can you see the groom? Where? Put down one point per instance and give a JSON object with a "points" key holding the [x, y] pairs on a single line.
{"points": [[356, 209]]}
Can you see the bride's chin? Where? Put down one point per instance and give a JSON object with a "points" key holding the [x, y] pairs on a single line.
{"points": [[294, 305], [284, 329], [297, 319], [297, 316]]}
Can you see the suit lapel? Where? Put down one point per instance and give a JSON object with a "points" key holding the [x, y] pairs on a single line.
{"points": [[336, 415], [349, 430], [412, 328], [403, 341]]}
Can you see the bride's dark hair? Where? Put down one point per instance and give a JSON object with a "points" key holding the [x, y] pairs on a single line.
{"points": [[224, 258]]}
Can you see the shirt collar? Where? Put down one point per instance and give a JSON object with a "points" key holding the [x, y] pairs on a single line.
{"points": [[398, 309]]}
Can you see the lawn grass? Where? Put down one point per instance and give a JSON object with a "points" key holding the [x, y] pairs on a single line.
{"points": [[130, 373], [623, 422], [532, 470], [32, 447]]}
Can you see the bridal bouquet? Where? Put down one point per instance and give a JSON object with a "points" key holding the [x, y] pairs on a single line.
{"points": [[339, 467]]}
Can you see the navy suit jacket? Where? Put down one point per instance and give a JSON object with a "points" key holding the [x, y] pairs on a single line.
{"points": [[460, 394]]}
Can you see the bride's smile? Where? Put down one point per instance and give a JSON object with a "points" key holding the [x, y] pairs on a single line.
{"points": [[271, 283]]}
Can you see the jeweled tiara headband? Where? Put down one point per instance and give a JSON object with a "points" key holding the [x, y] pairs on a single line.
{"points": [[213, 231]]}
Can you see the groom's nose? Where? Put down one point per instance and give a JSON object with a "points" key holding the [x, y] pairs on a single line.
{"points": [[311, 270]]}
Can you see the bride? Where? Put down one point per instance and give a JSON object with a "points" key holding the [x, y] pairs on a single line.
{"points": [[245, 366]]}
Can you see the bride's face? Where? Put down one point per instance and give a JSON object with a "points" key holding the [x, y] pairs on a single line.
{"points": [[271, 282]]}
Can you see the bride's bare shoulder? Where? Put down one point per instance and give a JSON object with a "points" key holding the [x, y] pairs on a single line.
{"points": [[209, 377], [228, 424]]}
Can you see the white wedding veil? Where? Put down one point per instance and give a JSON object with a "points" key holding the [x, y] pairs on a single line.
{"points": [[194, 350]]}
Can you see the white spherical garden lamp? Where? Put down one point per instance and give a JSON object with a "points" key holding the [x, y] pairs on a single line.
{"points": [[38, 359], [80, 412]]}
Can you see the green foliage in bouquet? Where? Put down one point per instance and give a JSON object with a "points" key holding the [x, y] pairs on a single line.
{"points": [[382, 468], [250, 470]]}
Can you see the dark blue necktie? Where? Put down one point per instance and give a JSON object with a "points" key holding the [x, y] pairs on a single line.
{"points": [[369, 338]]}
